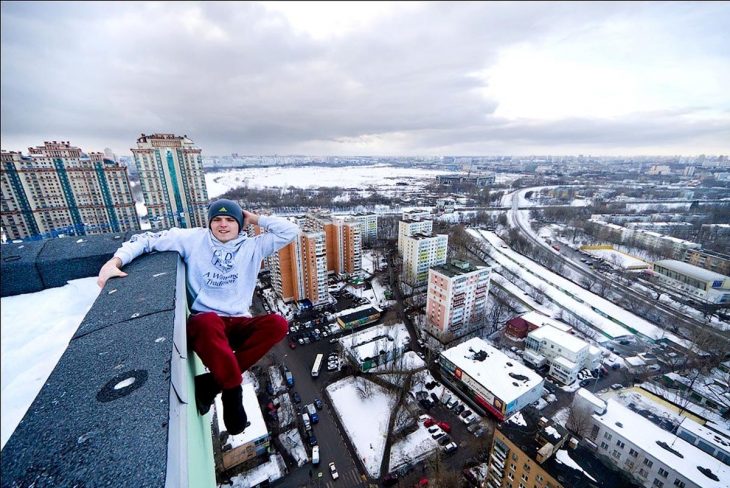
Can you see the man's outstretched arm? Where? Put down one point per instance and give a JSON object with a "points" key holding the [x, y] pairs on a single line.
{"points": [[110, 269]]}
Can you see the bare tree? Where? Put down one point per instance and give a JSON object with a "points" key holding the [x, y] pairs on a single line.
{"points": [[579, 420]]}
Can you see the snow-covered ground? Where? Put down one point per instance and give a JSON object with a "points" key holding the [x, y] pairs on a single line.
{"points": [[573, 297], [35, 330], [413, 448], [620, 259], [368, 438], [292, 443], [381, 176]]}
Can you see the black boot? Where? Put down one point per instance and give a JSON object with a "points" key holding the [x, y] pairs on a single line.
{"points": [[206, 390], [234, 415]]}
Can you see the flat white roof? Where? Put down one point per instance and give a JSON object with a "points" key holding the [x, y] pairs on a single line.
{"points": [[644, 434], [539, 319], [566, 340], [590, 397], [691, 270], [364, 344], [493, 372], [718, 439], [256, 430], [564, 362]]}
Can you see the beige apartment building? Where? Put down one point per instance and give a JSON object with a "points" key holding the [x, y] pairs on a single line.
{"points": [[344, 247], [457, 300], [409, 226], [59, 190], [173, 183]]}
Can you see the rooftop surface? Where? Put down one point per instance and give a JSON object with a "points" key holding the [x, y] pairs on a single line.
{"points": [[452, 269], [369, 342], [496, 371], [564, 339], [592, 472], [256, 430], [644, 434], [536, 318], [691, 270]]}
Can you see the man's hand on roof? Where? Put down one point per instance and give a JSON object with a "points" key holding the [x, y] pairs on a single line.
{"points": [[110, 270]]}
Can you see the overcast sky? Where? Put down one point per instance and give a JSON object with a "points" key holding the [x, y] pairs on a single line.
{"points": [[370, 78]]}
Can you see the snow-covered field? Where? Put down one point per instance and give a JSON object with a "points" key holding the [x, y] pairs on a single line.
{"points": [[380, 176], [368, 437], [35, 330], [415, 447]]}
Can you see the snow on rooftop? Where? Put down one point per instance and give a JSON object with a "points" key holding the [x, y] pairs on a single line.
{"points": [[407, 362], [493, 372], [562, 456], [411, 449], [691, 270], [583, 308], [368, 438], [256, 430], [270, 471], [566, 340], [28, 353], [591, 398], [540, 319], [369, 342], [518, 419], [644, 434]]}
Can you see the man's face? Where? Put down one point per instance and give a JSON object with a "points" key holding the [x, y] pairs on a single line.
{"points": [[224, 228]]}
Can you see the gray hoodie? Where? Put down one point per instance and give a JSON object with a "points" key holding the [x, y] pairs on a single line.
{"points": [[220, 276]]}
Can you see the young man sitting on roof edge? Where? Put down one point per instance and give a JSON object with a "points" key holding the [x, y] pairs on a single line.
{"points": [[222, 265]]}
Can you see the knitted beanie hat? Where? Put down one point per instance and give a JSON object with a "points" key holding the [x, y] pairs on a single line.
{"points": [[228, 208]]}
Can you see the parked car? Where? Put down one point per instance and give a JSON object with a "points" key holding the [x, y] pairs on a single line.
{"points": [[585, 382], [479, 432], [333, 471], [390, 479], [296, 397], [473, 427], [465, 413], [469, 419], [438, 435], [434, 429], [434, 397], [450, 448], [318, 403], [423, 418], [429, 422], [443, 440], [312, 439], [425, 403], [460, 409], [444, 426], [616, 386]]}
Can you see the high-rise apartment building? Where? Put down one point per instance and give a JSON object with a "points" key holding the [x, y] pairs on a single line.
{"points": [[369, 226], [343, 247], [421, 252], [457, 300], [299, 270], [173, 183], [59, 190], [409, 227]]}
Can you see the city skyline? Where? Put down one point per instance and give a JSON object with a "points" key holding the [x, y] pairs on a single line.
{"points": [[393, 79]]}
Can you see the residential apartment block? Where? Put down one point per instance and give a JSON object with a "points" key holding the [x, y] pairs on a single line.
{"points": [[343, 246], [652, 456], [565, 353], [409, 227], [456, 304], [534, 451], [713, 261], [299, 269], [369, 226], [59, 190], [678, 247], [421, 252], [173, 182]]}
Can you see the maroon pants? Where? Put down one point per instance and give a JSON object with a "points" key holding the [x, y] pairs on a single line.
{"points": [[228, 346]]}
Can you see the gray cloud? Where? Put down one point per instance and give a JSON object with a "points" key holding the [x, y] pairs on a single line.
{"points": [[240, 79]]}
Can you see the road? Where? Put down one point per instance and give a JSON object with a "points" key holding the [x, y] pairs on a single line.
{"points": [[664, 313]]}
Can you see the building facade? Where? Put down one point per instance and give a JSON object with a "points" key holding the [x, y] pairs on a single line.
{"points": [[650, 455], [565, 353], [59, 190], [368, 226], [698, 283], [713, 261], [409, 227], [343, 247], [456, 305], [421, 252], [171, 175], [299, 269], [490, 378]]}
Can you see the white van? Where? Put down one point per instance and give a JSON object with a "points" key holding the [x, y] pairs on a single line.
{"points": [[315, 455], [305, 419]]}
